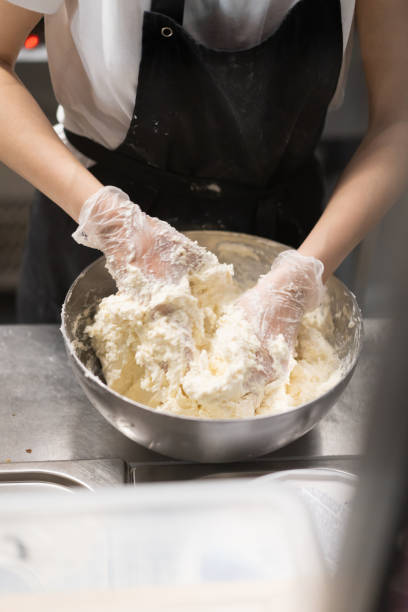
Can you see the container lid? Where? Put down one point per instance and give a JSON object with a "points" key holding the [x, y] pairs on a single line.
{"points": [[328, 494]]}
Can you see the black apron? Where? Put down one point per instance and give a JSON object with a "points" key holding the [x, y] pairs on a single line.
{"points": [[217, 140]]}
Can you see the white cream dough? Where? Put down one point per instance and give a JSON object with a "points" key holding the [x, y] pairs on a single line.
{"points": [[186, 349]]}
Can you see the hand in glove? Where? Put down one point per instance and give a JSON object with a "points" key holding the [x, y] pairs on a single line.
{"points": [[110, 222], [277, 303]]}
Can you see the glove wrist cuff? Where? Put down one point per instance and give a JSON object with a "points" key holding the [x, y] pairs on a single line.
{"points": [[304, 271]]}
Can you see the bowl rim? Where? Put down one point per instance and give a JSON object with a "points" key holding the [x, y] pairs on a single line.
{"points": [[251, 419]]}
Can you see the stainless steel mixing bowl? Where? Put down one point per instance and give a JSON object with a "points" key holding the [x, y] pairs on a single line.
{"points": [[192, 438]]}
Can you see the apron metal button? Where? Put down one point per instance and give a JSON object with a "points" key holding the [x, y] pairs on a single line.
{"points": [[166, 32]]}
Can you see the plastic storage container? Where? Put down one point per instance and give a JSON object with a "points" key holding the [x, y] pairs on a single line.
{"points": [[248, 548]]}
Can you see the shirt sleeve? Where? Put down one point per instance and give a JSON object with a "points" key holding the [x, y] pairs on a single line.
{"points": [[47, 7]]}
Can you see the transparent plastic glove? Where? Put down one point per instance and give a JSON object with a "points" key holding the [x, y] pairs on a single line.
{"points": [[277, 303], [110, 222]]}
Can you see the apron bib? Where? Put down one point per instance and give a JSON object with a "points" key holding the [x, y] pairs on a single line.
{"points": [[217, 140]]}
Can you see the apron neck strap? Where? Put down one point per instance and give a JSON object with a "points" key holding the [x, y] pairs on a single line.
{"points": [[172, 8]]}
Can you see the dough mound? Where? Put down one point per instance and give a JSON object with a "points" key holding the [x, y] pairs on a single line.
{"points": [[185, 348]]}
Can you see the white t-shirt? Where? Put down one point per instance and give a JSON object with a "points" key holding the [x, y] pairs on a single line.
{"points": [[94, 51]]}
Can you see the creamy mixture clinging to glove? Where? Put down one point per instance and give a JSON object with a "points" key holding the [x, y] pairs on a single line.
{"points": [[178, 337]]}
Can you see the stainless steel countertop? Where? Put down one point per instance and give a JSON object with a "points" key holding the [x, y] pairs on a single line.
{"points": [[44, 415]]}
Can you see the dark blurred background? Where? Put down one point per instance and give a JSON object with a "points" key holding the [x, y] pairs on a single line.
{"points": [[15, 193], [343, 132]]}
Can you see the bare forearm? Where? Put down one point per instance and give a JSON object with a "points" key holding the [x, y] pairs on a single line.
{"points": [[30, 147], [374, 179], [377, 175]]}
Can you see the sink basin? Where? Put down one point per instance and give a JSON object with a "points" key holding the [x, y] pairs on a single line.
{"points": [[173, 471], [21, 486], [60, 477]]}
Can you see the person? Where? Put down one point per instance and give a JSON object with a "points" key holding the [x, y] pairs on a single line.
{"points": [[205, 114]]}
